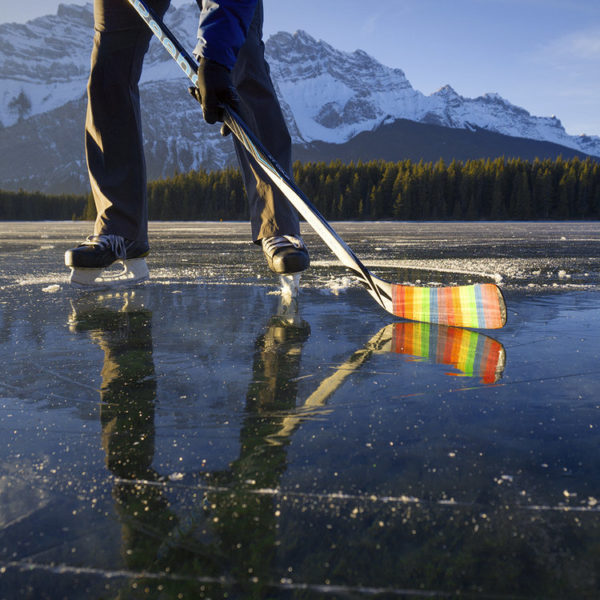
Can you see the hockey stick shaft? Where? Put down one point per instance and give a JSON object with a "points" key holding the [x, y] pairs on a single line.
{"points": [[476, 306]]}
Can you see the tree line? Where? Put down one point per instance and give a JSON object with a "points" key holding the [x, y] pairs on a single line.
{"points": [[37, 206], [473, 190], [499, 189]]}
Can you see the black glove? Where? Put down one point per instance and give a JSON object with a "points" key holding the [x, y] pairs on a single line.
{"points": [[214, 91]]}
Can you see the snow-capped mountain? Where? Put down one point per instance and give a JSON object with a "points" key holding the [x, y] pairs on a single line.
{"points": [[327, 95], [45, 62], [334, 95]]}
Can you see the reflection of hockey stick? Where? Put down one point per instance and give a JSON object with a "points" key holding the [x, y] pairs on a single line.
{"points": [[479, 305], [318, 399], [471, 353]]}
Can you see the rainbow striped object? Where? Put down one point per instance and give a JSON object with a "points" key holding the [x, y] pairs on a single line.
{"points": [[473, 354], [480, 306]]}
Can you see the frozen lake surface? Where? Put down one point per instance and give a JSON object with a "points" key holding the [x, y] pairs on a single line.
{"points": [[189, 438]]}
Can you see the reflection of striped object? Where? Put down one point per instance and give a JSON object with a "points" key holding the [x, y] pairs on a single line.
{"points": [[479, 306], [472, 353]]}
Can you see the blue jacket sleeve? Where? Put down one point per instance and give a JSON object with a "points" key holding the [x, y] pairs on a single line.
{"points": [[223, 29]]}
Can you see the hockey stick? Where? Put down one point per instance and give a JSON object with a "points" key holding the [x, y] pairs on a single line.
{"points": [[477, 306]]}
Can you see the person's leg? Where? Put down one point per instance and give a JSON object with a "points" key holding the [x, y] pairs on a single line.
{"points": [[114, 149], [270, 212], [113, 135]]}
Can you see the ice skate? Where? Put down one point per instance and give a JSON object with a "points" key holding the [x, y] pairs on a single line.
{"points": [[286, 254], [90, 262]]}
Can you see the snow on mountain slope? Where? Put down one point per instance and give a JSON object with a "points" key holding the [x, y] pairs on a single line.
{"points": [[494, 113], [44, 63], [334, 95]]}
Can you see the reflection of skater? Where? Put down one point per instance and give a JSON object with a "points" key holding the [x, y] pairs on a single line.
{"points": [[231, 54], [231, 534], [127, 397]]}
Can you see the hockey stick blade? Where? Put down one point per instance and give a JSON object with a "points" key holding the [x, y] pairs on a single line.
{"points": [[475, 306]]}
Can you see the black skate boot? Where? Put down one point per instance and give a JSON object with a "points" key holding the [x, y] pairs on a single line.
{"points": [[286, 254], [89, 261]]}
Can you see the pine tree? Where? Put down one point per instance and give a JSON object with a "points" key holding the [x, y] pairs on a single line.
{"points": [[567, 194]]}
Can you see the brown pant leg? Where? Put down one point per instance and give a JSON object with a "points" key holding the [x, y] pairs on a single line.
{"points": [[113, 134], [270, 212]]}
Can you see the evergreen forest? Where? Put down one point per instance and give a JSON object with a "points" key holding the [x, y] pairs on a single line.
{"points": [[500, 189]]}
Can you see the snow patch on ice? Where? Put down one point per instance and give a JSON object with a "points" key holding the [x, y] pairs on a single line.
{"points": [[49, 278], [336, 285]]}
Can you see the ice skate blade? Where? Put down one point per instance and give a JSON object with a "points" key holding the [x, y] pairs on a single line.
{"points": [[290, 285], [133, 271]]}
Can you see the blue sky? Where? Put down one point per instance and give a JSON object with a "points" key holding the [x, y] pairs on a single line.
{"points": [[543, 55]]}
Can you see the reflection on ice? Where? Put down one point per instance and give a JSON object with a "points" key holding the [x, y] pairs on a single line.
{"points": [[471, 353], [196, 437]]}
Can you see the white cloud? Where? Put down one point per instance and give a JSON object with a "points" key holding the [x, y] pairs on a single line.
{"points": [[579, 45]]}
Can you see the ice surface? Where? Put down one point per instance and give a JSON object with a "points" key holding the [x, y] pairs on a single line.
{"points": [[191, 437]]}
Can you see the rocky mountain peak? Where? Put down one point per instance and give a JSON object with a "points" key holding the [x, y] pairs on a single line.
{"points": [[448, 92]]}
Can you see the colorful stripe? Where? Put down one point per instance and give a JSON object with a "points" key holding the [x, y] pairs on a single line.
{"points": [[471, 353], [477, 306]]}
